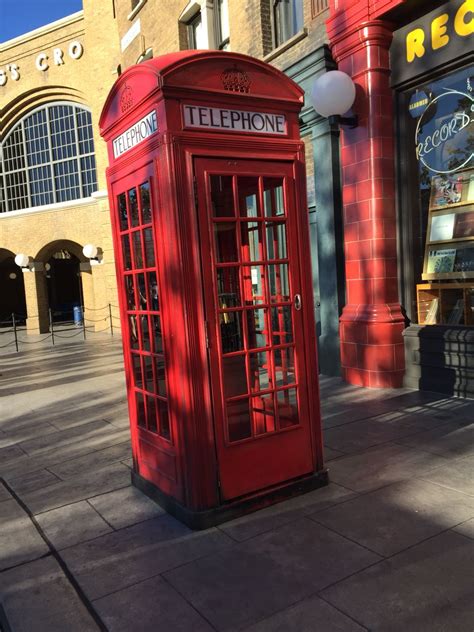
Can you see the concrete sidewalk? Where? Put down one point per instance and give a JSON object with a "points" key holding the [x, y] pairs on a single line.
{"points": [[389, 545]]}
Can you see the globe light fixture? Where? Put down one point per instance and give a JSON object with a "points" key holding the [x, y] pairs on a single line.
{"points": [[332, 95], [22, 261], [90, 251]]}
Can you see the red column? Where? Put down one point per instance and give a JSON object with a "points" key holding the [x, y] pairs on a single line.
{"points": [[371, 325]]}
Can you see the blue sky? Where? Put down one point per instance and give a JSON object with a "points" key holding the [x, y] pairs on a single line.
{"points": [[20, 16]]}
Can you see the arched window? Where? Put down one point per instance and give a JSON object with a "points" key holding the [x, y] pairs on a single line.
{"points": [[48, 157]]}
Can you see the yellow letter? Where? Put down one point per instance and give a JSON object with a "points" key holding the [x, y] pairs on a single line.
{"points": [[438, 31], [415, 46], [462, 27]]}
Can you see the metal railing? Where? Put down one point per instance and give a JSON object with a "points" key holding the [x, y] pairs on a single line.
{"points": [[82, 327]]}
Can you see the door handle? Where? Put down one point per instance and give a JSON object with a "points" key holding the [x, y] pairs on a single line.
{"points": [[297, 302]]}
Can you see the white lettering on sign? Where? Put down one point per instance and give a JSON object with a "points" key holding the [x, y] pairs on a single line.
{"points": [[134, 135], [234, 120]]}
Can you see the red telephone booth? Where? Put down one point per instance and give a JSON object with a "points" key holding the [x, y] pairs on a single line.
{"points": [[207, 194]]}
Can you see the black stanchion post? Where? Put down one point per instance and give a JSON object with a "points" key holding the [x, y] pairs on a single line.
{"points": [[14, 330], [111, 324], [83, 324], [51, 325]]}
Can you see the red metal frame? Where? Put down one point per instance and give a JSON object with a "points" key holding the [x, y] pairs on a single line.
{"points": [[196, 467]]}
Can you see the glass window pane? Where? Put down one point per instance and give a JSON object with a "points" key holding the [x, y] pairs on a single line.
{"points": [[263, 412], [160, 375], [142, 296], [127, 256], [253, 284], [141, 421], [153, 291], [248, 196], [276, 240], [133, 207], [279, 284], [238, 420], [251, 241], [287, 405], [222, 197], [273, 200], [231, 332], [137, 250], [145, 331], [164, 419], [145, 202], [284, 361], [228, 287], [122, 211], [149, 248], [281, 325], [235, 375], [257, 328], [149, 382], [157, 335], [151, 414], [226, 244], [259, 371], [133, 325], [130, 292], [137, 370]]}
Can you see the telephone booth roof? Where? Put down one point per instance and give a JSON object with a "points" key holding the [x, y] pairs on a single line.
{"points": [[225, 75]]}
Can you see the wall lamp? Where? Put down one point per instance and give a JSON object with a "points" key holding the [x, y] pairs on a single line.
{"points": [[25, 262], [332, 96], [93, 253]]}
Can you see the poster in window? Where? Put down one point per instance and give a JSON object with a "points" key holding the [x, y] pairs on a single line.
{"points": [[440, 261]]}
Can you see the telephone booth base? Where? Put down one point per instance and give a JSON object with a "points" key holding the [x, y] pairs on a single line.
{"points": [[199, 520]]}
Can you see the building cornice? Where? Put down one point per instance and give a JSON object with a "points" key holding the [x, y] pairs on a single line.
{"points": [[42, 30]]}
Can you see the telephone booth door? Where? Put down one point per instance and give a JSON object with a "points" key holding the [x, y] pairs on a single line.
{"points": [[248, 226]]}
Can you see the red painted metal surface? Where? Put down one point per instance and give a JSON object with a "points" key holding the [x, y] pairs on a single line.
{"points": [[372, 350], [221, 367]]}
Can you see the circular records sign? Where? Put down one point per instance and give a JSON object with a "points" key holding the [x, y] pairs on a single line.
{"points": [[445, 132]]}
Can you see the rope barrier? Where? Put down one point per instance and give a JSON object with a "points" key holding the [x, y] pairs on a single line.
{"points": [[76, 333], [12, 342], [7, 331], [34, 342]]}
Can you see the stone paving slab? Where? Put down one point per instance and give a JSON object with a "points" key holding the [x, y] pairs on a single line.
{"points": [[66, 492], [400, 515], [458, 475], [30, 481], [261, 576], [37, 597], [19, 540], [427, 588], [150, 606], [275, 516], [123, 558], [99, 458], [125, 507], [450, 440], [69, 525], [381, 466], [466, 528], [310, 615]]}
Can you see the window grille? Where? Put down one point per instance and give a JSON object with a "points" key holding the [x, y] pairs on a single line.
{"points": [[48, 157]]}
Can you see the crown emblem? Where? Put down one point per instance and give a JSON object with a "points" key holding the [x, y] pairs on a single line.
{"points": [[126, 100], [235, 80]]}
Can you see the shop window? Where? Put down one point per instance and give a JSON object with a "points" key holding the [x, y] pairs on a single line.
{"points": [[437, 199], [48, 157], [287, 19]]}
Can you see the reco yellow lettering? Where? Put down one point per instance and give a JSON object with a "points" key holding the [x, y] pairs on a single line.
{"points": [[463, 26]]}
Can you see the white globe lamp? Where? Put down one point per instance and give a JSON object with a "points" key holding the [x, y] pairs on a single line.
{"points": [[333, 94], [22, 260], [90, 251]]}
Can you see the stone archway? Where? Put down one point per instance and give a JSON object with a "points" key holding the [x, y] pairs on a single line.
{"points": [[12, 289]]}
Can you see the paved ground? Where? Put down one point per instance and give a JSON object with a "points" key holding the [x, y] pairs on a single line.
{"points": [[389, 545]]}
